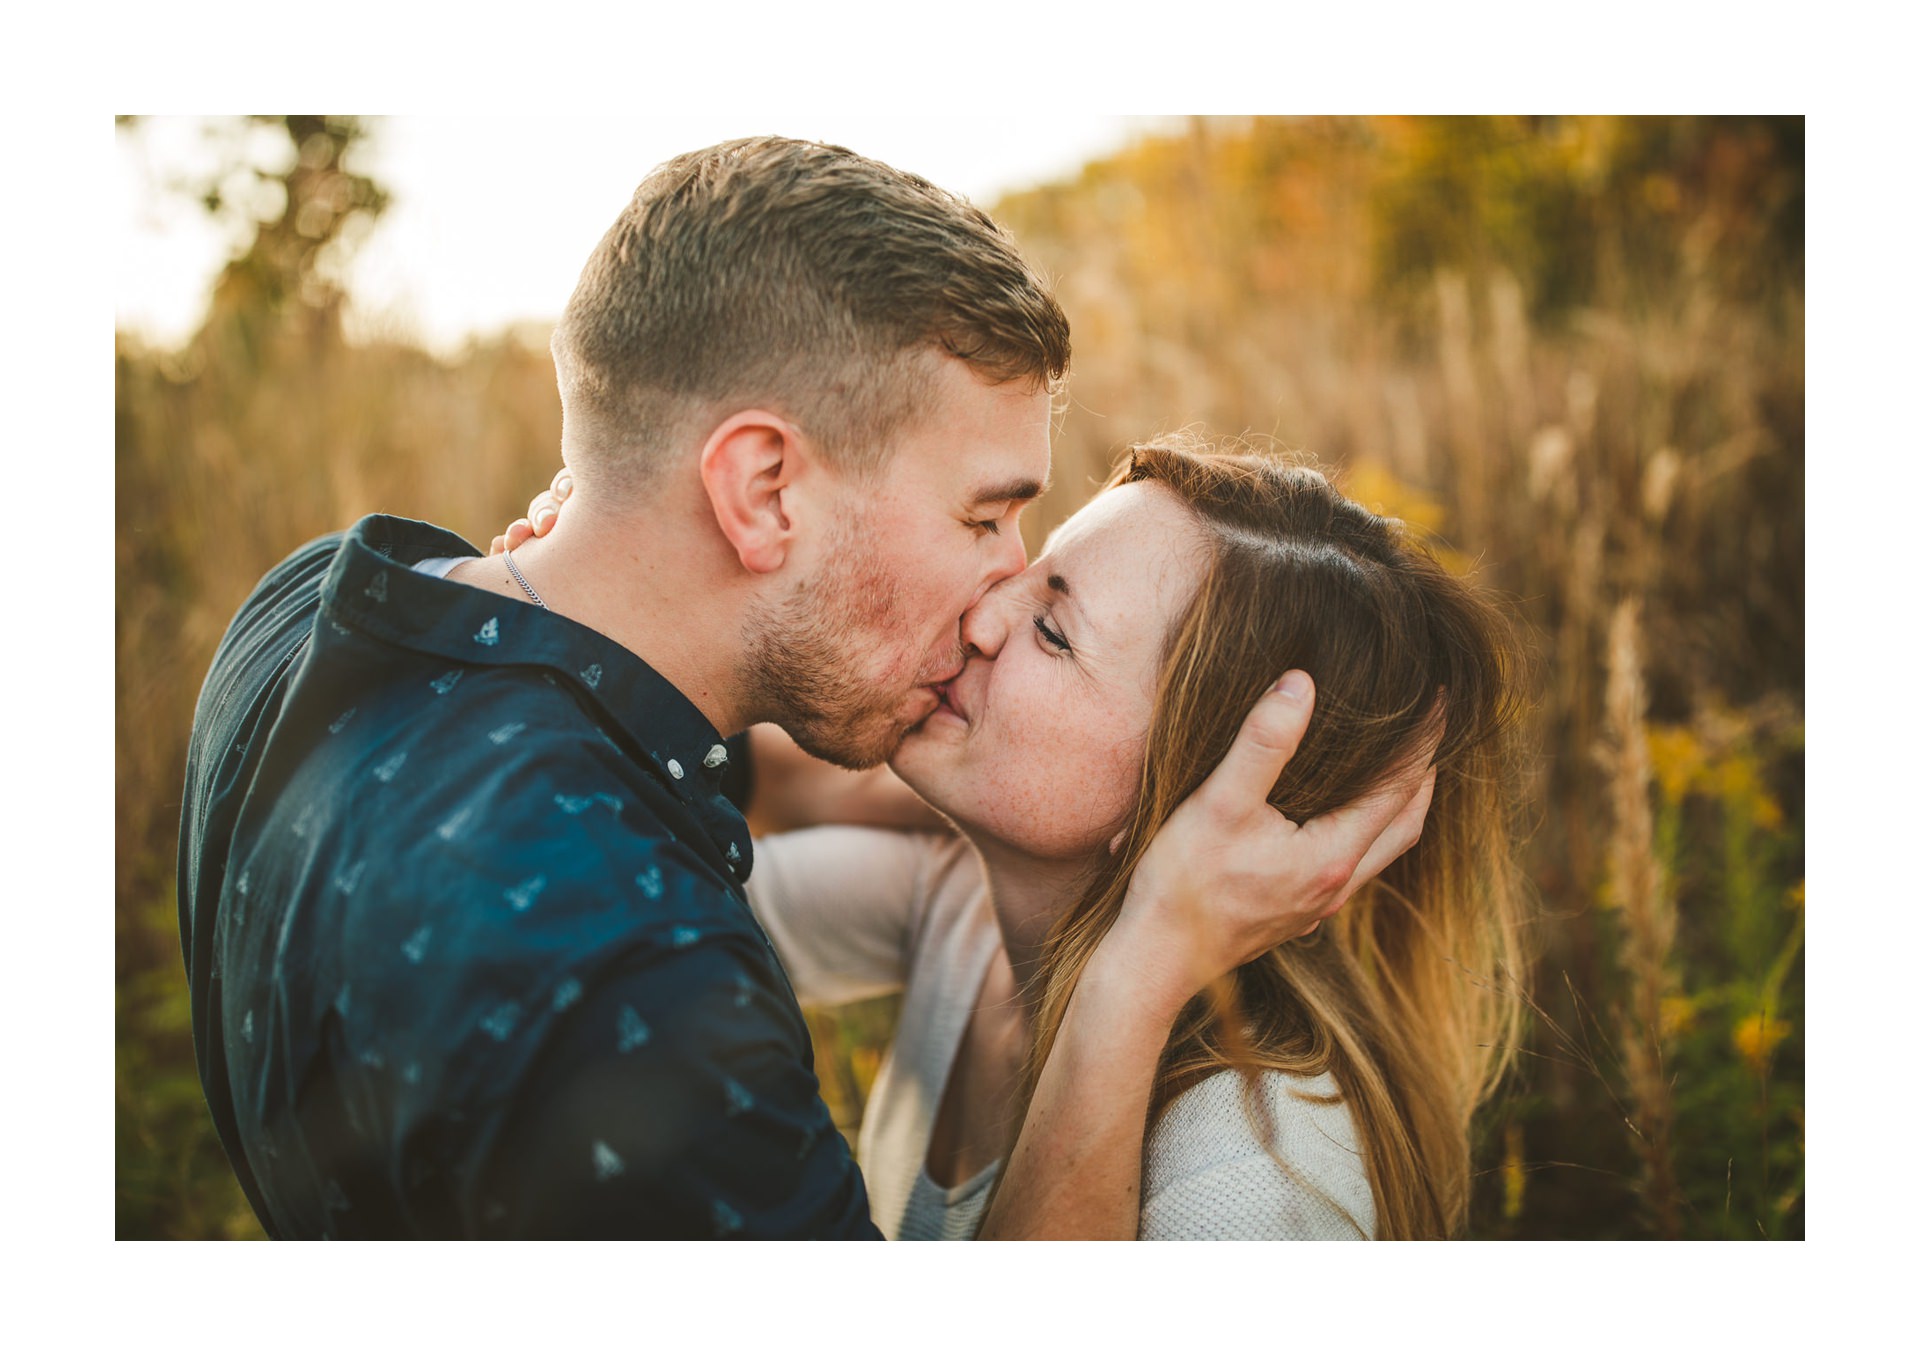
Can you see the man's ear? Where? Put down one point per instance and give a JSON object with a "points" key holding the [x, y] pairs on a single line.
{"points": [[748, 466]]}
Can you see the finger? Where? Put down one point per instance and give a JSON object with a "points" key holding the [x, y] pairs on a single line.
{"points": [[499, 545], [1401, 833], [562, 485], [541, 512], [1348, 834], [519, 532], [1416, 761], [1267, 739]]}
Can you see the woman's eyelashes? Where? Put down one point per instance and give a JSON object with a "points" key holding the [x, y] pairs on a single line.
{"points": [[991, 525], [1051, 637]]}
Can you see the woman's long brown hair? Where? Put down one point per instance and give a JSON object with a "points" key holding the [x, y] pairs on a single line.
{"points": [[1396, 996]]}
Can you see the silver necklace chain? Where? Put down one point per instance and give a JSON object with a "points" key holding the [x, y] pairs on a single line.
{"points": [[514, 570]]}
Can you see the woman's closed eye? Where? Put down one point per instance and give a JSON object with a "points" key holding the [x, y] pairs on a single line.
{"points": [[1051, 637]]}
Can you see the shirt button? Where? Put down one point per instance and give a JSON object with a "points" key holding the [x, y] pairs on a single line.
{"points": [[716, 756], [673, 766]]}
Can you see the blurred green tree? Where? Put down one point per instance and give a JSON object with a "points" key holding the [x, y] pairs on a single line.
{"points": [[290, 274]]}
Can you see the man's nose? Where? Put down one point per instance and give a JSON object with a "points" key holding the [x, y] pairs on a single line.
{"points": [[1008, 560]]}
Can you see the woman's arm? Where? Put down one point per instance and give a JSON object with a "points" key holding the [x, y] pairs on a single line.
{"points": [[841, 906], [794, 790]]}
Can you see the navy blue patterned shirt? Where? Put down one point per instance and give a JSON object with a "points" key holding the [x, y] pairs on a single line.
{"points": [[460, 899]]}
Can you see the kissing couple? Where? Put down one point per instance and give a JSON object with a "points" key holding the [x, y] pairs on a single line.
{"points": [[479, 942]]}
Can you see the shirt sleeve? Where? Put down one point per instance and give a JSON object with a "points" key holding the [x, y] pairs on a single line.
{"points": [[675, 1100], [1209, 1173], [841, 905]]}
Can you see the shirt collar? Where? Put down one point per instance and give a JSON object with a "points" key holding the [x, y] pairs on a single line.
{"points": [[371, 587]]}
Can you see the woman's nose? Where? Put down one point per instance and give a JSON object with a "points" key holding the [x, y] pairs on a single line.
{"points": [[984, 626]]}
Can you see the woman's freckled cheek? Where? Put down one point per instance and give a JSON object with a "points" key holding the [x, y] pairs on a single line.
{"points": [[1077, 774]]}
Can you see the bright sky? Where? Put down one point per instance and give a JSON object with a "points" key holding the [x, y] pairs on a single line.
{"points": [[490, 220]]}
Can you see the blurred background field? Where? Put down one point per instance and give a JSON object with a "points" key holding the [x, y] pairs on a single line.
{"points": [[1570, 349]]}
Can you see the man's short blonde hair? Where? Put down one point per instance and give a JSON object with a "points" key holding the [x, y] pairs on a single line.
{"points": [[798, 276]]}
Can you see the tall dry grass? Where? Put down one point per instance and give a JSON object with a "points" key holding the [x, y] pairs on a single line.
{"points": [[1638, 888]]}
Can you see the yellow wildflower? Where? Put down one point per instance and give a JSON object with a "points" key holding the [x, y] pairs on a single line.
{"points": [[1736, 779], [1677, 1012], [1757, 1036], [1677, 759], [1376, 487]]}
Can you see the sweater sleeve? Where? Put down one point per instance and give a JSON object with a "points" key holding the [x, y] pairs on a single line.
{"points": [[1208, 1172], [841, 906]]}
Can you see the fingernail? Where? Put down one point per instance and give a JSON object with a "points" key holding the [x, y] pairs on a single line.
{"points": [[563, 486], [1294, 687], [544, 517]]}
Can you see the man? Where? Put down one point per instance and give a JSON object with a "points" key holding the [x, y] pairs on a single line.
{"points": [[461, 854]]}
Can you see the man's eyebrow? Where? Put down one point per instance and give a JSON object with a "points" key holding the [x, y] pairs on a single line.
{"points": [[1007, 491], [1059, 586]]}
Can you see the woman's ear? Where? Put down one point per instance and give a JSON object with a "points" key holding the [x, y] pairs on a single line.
{"points": [[748, 466]]}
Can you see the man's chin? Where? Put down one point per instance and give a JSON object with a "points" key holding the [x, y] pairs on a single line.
{"points": [[855, 750]]}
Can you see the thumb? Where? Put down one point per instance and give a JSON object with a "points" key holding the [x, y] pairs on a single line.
{"points": [[1268, 737]]}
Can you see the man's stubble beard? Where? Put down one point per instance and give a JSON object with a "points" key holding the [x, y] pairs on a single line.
{"points": [[806, 654]]}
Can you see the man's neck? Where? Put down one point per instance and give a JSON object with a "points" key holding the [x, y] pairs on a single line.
{"points": [[665, 594]]}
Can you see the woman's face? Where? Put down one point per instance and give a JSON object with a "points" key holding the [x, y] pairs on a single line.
{"points": [[1037, 743]]}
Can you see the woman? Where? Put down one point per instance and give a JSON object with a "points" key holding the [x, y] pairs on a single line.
{"points": [[1324, 1090]]}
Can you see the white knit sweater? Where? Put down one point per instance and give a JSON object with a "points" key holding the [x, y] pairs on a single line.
{"points": [[859, 912]]}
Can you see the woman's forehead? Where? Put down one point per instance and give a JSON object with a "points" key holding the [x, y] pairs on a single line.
{"points": [[1126, 540], [1137, 514]]}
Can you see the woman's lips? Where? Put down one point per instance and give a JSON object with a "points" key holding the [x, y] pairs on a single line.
{"points": [[948, 699]]}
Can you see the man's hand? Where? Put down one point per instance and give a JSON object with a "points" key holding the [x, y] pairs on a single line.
{"points": [[541, 515], [1228, 877]]}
